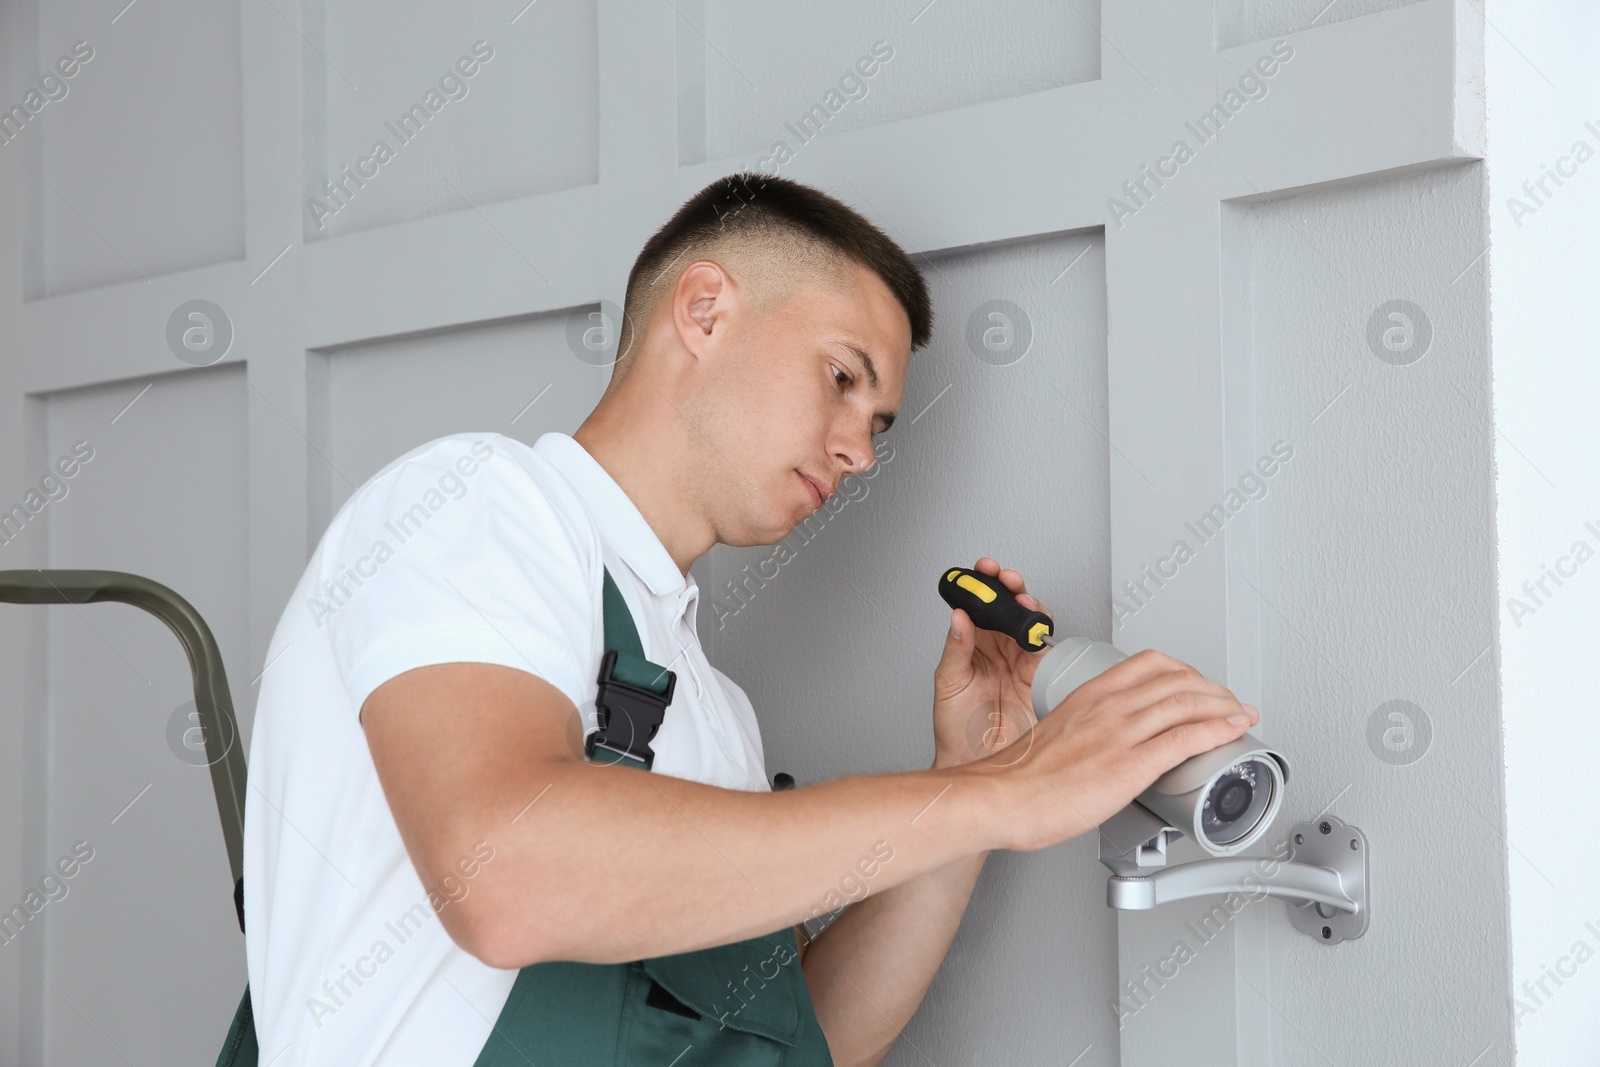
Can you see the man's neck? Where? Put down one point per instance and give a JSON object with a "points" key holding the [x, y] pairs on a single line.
{"points": [[648, 465]]}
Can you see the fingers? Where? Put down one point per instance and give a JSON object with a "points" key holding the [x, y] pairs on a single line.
{"points": [[960, 626], [1173, 697], [1171, 747], [1187, 707], [1137, 669], [955, 663], [1148, 694], [1011, 578], [1180, 713], [1156, 691]]}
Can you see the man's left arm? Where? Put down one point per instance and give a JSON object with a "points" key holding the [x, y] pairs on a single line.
{"points": [[869, 970]]}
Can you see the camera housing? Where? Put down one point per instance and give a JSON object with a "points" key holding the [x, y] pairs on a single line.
{"points": [[1224, 799]]}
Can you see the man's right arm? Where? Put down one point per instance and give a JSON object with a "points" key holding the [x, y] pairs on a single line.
{"points": [[606, 864]]}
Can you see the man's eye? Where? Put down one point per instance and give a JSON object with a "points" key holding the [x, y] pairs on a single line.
{"points": [[839, 376]]}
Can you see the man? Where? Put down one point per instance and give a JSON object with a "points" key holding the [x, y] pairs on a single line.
{"points": [[417, 753]]}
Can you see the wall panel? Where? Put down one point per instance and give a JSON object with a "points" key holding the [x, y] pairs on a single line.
{"points": [[142, 147], [518, 116], [788, 73]]}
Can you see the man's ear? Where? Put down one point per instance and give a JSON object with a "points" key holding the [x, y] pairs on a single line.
{"points": [[697, 301]]}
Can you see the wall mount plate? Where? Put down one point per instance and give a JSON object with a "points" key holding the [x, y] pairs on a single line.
{"points": [[1329, 842]]}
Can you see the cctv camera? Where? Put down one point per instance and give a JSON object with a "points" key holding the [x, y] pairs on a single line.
{"points": [[1225, 799]]}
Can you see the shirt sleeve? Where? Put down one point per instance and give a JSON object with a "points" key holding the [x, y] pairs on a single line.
{"points": [[464, 550]]}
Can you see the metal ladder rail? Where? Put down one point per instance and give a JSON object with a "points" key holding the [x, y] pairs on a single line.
{"points": [[212, 700]]}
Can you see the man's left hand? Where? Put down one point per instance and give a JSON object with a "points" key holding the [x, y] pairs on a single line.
{"points": [[982, 686]]}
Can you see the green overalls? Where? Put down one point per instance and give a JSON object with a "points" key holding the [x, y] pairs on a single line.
{"points": [[743, 1004]]}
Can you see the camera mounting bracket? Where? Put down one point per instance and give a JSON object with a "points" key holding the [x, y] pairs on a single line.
{"points": [[1324, 880]]}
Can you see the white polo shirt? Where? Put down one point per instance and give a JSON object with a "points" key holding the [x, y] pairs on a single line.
{"points": [[473, 547]]}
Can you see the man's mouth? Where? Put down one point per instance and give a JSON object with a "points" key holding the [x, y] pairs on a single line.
{"points": [[819, 493]]}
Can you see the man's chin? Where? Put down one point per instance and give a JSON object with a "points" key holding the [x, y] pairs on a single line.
{"points": [[764, 535], [789, 524], [772, 527]]}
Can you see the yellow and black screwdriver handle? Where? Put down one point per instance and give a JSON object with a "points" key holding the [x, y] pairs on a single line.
{"points": [[993, 607]]}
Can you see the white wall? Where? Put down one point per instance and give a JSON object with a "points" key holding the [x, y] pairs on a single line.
{"points": [[1544, 272]]}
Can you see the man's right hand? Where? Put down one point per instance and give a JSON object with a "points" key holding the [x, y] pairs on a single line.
{"points": [[1108, 741]]}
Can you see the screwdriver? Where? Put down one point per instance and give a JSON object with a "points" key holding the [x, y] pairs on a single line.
{"points": [[993, 607]]}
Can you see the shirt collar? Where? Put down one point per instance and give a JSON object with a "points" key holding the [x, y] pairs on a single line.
{"points": [[619, 520]]}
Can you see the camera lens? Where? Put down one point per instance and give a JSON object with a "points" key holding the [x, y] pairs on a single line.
{"points": [[1236, 801], [1233, 798]]}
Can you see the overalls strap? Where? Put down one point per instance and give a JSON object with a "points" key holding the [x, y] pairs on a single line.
{"points": [[743, 1004], [634, 693]]}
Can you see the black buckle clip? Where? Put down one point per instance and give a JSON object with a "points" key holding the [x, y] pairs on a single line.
{"points": [[641, 712]]}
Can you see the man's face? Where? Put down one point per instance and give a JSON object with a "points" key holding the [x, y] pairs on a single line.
{"points": [[790, 401]]}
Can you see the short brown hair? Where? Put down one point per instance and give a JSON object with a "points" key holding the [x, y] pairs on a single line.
{"points": [[796, 223]]}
